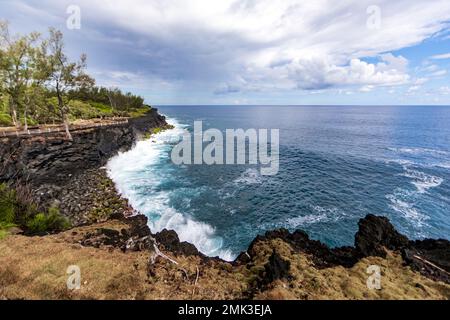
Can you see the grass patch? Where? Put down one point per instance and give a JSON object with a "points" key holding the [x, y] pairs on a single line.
{"points": [[139, 112], [3, 234], [154, 131]]}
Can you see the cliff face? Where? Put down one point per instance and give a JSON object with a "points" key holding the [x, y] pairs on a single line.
{"points": [[67, 175], [50, 158]]}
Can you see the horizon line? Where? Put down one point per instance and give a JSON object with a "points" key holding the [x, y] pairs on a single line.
{"points": [[301, 105]]}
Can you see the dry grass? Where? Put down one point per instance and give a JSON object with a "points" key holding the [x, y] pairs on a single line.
{"points": [[397, 281], [35, 268]]}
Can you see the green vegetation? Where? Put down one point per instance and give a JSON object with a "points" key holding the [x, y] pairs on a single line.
{"points": [[157, 130], [38, 84], [53, 220], [16, 209]]}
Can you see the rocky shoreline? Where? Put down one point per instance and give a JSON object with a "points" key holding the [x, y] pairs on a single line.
{"points": [[70, 176]]}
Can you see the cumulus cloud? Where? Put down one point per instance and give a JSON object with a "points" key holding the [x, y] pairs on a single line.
{"points": [[232, 46]]}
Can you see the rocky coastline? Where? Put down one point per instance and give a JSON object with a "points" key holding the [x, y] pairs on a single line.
{"points": [[69, 174]]}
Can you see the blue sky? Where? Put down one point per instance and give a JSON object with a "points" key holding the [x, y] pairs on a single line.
{"points": [[256, 52]]}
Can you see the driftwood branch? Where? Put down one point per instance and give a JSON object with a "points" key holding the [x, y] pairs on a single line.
{"points": [[195, 283], [429, 263]]}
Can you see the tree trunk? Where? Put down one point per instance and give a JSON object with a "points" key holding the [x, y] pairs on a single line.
{"points": [[15, 120], [25, 119], [63, 112], [66, 127], [25, 113]]}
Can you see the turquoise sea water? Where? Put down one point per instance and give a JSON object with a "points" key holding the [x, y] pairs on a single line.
{"points": [[337, 164]]}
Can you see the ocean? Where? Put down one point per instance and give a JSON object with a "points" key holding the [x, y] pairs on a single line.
{"points": [[337, 164]]}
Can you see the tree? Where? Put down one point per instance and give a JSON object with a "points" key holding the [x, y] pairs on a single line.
{"points": [[39, 73], [113, 97], [65, 75], [16, 67]]}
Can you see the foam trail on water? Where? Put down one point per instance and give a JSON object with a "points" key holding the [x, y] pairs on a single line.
{"points": [[136, 178], [421, 180]]}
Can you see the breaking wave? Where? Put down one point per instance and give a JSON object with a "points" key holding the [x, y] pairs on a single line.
{"points": [[138, 178]]}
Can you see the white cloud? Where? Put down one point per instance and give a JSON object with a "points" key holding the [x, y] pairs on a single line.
{"points": [[413, 88], [367, 88], [316, 74], [229, 46], [441, 56], [444, 90], [438, 73]]}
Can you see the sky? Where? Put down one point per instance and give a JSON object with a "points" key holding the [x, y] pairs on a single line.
{"points": [[302, 52]]}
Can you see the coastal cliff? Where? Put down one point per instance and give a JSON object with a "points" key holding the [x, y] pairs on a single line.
{"points": [[51, 158], [68, 174], [120, 257]]}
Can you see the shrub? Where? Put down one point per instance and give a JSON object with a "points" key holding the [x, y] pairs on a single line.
{"points": [[82, 110], [52, 221], [16, 208], [7, 205], [5, 120], [102, 109]]}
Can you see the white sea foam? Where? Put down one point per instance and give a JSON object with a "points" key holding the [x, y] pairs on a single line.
{"points": [[398, 202], [402, 162], [416, 151], [137, 179], [249, 176], [445, 165], [422, 181], [321, 215], [403, 201], [305, 220]]}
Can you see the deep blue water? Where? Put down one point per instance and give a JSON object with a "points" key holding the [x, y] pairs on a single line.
{"points": [[337, 164]]}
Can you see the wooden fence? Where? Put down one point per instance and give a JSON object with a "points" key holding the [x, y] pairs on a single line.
{"points": [[34, 131]]}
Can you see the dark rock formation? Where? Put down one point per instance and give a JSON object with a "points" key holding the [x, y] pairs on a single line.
{"points": [[321, 254], [170, 241], [139, 226], [66, 173], [276, 268], [376, 234], [103, 237], [430, 257], [136, 237], [52, 159]]}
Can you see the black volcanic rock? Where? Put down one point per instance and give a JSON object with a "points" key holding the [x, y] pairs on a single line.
{"points": [[169, 239], [429, 257], [51, 158], [276, 268], [103, 237], [139, 227], [376, 233], [322, 255]]}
